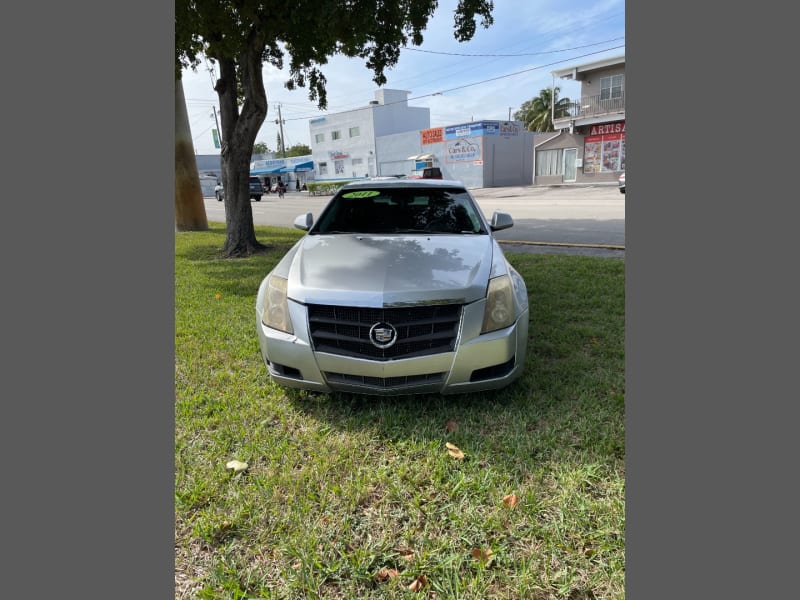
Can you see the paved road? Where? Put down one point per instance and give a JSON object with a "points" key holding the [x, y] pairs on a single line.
{"points": [[552, 219]]}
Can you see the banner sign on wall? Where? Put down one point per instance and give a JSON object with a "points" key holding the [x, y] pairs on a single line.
{"points": [[454, 132], [434, 135], [504, 128], [464, 150]]}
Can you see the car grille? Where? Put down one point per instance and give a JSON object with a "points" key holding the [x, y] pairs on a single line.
{"points": [[421, 330], [385, 382]]}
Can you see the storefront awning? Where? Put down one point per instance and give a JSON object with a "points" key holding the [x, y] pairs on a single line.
{"points": [[266, 171], [421, 157], [303, 166]]}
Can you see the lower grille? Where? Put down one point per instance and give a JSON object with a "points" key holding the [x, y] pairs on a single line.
{"points": [[385, 383], [421, 330]]}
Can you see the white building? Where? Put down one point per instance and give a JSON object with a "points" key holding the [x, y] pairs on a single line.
{"points": [[479, 154], [343, 145], [388, 137]]}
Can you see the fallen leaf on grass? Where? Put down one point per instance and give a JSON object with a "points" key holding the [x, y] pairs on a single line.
{"points": [[404, 553], [454, 451], [236, 465], [419, 583], [482, 556], [218, 296], [450, 426], [385, 574], [511, 500]]}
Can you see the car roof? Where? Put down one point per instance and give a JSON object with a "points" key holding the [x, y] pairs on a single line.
{"points": [[404, 183]]}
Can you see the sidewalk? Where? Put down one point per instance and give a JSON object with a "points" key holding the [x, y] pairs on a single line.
{"points": [[534, 189]]}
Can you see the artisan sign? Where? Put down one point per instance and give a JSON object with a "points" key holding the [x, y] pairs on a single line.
{"points": [[607, 128]]}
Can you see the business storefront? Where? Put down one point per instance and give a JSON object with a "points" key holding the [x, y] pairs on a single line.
{"points": [[604, 148], [293, 171], [592, 153]]}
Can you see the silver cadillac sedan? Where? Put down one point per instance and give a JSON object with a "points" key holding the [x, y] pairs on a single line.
{"points": [[398, 288]]}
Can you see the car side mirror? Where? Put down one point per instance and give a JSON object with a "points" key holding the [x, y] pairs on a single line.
{"points": [[304, 222], [501, 220]]}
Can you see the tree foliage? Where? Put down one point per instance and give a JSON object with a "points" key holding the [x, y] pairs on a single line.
{"points": [[537, 113], [242, 35], [294, 150], [261, 148], [298, 150]]}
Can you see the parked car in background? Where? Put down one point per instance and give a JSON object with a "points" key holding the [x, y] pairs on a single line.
{"points": [[254, 185], [622, 183], [399, 287]]}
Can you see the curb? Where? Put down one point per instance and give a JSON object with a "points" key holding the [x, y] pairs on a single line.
{"points": [[563, 244]]}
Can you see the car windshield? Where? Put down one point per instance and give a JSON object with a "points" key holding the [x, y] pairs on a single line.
{"points": [[400, 210]]}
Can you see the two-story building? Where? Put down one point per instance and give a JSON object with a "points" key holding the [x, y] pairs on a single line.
{"points": [[590, 143]]}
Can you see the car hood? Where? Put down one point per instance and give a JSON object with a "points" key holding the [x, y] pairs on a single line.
{"points": [[390, 270]]}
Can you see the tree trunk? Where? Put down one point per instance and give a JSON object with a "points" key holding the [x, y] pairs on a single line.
{"points": [[190, 211], [239, 134]]}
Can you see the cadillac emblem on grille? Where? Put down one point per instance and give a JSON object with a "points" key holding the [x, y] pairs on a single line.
{"points": [[382, 335]]}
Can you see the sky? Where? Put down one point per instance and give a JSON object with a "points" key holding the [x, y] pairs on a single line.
{"points": [[459, 82]]}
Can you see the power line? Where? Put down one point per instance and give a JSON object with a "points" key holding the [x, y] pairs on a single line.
{"points": [[584, 21], [514, 55], [468, 84]]}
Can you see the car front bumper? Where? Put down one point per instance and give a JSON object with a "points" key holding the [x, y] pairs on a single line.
{"points": [[477, 362]]}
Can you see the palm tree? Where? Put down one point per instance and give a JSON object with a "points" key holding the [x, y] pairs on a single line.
{"points": [[537, 113]]}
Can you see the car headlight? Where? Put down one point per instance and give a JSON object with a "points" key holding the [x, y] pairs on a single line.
{"points": [[499, 312], [276, 308]]}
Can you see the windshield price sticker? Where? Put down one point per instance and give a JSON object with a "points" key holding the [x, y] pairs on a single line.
{"points": [[361, 194]]}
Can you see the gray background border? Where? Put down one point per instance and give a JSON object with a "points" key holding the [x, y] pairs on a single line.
{"points": [[711, 304], [88, 301]]}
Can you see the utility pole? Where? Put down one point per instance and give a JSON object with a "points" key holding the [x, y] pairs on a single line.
{"points": [[279, 121], [219, 131]]}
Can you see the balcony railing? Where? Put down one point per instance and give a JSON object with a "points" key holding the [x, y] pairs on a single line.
{"points": [[591, 106]]}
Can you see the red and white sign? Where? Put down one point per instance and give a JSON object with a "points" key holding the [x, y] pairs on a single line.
{"points": [[608, 128]]}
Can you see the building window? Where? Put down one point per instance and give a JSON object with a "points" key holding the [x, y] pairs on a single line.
{"points": [[336, 135], [323, 168], [603, 153], [358, 161], [354, 132], [339, 166], [319, 138], [611, 87], [549, 162]]}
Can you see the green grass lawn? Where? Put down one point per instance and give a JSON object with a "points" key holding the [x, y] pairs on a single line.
{"points": [[357, 496]]}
